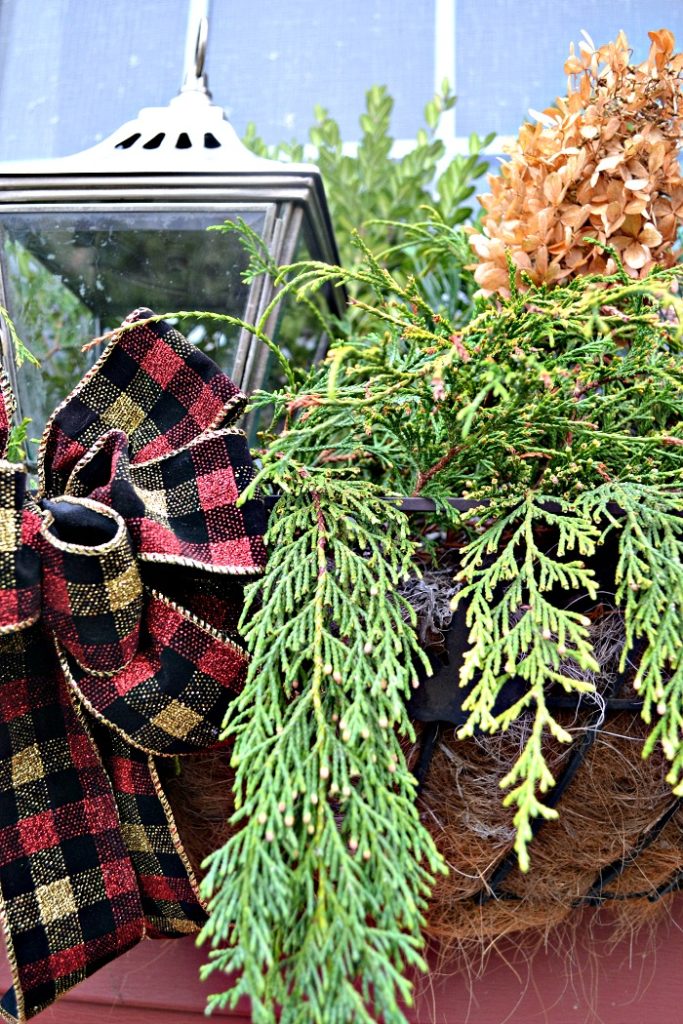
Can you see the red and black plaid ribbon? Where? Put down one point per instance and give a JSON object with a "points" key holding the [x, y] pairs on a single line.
{"points": [[119, 596]]}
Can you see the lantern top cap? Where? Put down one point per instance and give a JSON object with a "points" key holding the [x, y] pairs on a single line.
{"points": [[189, 135]]}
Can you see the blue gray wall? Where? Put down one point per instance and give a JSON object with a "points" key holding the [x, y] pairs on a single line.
{"points": [[71, 71]]}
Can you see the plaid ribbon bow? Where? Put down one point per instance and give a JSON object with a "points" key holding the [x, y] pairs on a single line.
{"points": [[119, 597]]}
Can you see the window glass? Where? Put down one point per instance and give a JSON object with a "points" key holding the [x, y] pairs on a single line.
{"points": [[510, 56], [72, 72], [272, 65]]}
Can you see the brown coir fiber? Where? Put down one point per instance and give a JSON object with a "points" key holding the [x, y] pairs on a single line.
{"points": [[614, 799], [199, 790]]}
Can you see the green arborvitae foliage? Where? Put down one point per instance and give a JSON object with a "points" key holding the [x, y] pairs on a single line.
{"points": [[16, 442], [523, 633], [557, 412], [650, 589], [19, 432]]}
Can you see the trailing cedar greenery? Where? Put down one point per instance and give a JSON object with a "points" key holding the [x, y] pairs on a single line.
{"points": [[317, 900], [553, 408]]}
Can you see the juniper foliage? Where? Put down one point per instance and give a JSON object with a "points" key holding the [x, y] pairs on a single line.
{"points": [[553, 410]]}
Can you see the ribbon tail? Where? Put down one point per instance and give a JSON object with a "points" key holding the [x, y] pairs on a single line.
{"points": [[69, 897], [69, 893], [172, 697], [168, 887]]}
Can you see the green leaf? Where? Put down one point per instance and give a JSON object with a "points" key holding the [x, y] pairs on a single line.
{"points": [[517, 629]]}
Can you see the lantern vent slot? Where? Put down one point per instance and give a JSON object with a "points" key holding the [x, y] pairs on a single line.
{"points": [[130, 141], [183, 141], [210, 141], [155, 142]]}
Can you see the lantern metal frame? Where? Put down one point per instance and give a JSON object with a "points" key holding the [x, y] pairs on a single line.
{"points": [[186, 157]]}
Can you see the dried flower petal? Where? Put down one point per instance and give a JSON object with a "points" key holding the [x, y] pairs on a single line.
{"points": [[602, 163], [636, 256], [552, 188], [491, 278], [608, 163], [650, 236]]}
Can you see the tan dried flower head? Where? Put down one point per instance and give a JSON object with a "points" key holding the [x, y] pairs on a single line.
{"points": [[602, 163]]}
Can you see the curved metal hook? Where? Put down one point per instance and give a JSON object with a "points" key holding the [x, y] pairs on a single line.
{"points": [[200, 46], [194, 75]]}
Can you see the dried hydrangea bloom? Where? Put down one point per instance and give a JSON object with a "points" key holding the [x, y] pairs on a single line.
{"points": [[601, 164]]}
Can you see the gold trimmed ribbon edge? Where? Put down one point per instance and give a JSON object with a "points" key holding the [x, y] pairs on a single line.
{"points": [[14, 968], [206, 627], [176, 838], [194, 563], [15, 627]]}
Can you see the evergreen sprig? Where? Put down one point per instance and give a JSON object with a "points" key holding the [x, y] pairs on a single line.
{"points": [[558, 413], [22, 353], [518, 630], [649, 524], [318, 899]]}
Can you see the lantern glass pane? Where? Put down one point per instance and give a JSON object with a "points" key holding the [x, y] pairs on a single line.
{"points": [[301, 337], [72, 275], [300, 334]]}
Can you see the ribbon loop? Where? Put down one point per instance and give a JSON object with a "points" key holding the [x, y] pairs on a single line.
{"points": [[150, 383], [120, 591], [180, 507], [91, 584]]}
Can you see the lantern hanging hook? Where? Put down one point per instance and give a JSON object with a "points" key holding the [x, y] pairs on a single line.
{"points": [[200, 47], [195, 50]]}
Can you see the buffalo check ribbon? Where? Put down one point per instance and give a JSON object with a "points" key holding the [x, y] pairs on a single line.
{"points": [[120, 590]]}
